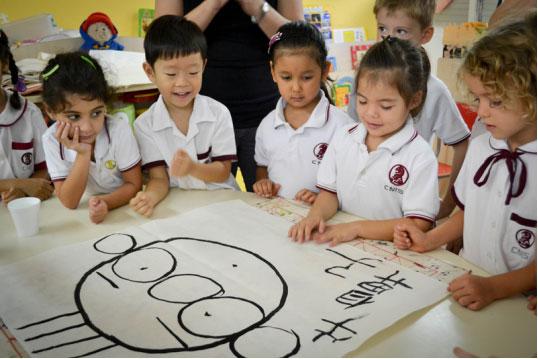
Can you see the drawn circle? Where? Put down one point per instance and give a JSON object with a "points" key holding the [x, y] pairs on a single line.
{"points": [[116, 243], [26, 158], [284, 343], [147, 265], [181, 289], [398, 175], [525, 238], [217, 317]]}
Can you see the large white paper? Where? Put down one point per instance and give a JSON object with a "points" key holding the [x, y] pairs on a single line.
{"points": [[122, 68], [222, 280]]}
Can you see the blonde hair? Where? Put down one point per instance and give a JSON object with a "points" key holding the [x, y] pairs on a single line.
{"points": [[505, 62], [419, 10]]}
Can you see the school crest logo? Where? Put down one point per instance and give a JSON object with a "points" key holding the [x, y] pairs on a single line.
{"points": [[398, 175], [320, 149], [525, 238], [110, 164], [26, 158]]}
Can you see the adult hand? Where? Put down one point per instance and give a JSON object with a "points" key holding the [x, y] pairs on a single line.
{"points": [[98, 209], [182, 164], [266, 188], [63, 135], [306, 196]]}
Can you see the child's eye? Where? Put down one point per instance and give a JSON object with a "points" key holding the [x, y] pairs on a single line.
{"points": [[381, 29], [285, 78], [361, 102], [495, 103], [386, 108], [193, 73], [306, 78], [96, 113], [73, 117], [401, 33], [170, 75]]}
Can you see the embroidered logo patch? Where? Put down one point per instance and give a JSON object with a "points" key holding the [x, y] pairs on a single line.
{"points": [[398, 175], [26, 158], [320, 149], [525, 238], [110, 164]]}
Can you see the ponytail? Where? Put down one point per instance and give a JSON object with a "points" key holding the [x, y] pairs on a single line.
{"points": [[7, 57]]}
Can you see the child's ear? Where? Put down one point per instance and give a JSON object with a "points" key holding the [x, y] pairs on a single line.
{"points": [[427, 35], [416, 100], [326, 70], [149, 71], [205, 63]]}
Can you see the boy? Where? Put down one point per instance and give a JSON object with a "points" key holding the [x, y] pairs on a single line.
{"points": [[186, 139], [412, 20]]}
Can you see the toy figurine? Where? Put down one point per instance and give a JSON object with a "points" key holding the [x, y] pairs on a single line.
{"points": [[99, 33]]}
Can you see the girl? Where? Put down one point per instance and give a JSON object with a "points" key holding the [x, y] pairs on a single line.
{"points": [[292, 139], [496, 188], [23, 171], [380, 169], [86, 148]]}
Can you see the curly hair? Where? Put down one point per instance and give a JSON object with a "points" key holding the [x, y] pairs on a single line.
{"points": [[419, 10], [505, 62]]}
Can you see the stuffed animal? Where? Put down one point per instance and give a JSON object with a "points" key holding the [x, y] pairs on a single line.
{"points": [[99, 33]]}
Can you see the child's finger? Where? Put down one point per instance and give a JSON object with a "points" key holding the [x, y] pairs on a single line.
{"points": [[276, 189]]}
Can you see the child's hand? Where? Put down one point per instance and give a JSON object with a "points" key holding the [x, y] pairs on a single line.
{"points": [[143, 203], [182, 164], [62, 135], [11, 194], [37, 187], [266, 188], [337, 233], [306, 196], [409, 237], [532, 303], [301, 231], [98, 209], [471, 291]]}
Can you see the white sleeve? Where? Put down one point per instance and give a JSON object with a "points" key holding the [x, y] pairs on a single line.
{"points": [[421, 198], [38, 128], [223, 139], [146, 142], [260, 154], [58, 168], [449, 125], [327, 169], [127, 153]]}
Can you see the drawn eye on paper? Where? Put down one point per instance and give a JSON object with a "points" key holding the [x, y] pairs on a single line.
{"points": [[176, 295]]}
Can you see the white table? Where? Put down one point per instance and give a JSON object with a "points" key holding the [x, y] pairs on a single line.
{"points": [[504, 329]]}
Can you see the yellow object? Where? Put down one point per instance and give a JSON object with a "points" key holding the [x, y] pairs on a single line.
{"points": [[240, 181], [69, 14]]}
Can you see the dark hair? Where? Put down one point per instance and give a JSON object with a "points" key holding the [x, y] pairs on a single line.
{"points": [[171, 36], [73, 73], [398, 63], [7, 58], [298, 37]]}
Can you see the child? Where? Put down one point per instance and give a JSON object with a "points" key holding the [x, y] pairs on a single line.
{"points": [[412, 20], [186, 139], [496, 188], [380, 169], [292, 139], [23, 171], [86, 148]]}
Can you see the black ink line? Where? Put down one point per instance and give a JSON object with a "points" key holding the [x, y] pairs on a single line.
{"points": [[172, 333], [47, 320], [55, 332], [96, 351], [114, 285], [65, 344], [341, 255], [328, 270]]}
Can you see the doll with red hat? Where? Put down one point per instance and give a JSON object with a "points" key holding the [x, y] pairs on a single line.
{"points": [[99, 33]]}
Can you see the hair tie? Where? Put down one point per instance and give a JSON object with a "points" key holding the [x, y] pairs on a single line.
{"points": [[20, 86], [47, 74], [275, 38], [83, 57]]}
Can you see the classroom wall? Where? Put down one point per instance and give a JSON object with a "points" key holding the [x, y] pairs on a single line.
{"points": [[69, 14]]}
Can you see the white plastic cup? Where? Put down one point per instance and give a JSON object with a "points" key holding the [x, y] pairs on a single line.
{"points": [[25, 215]]}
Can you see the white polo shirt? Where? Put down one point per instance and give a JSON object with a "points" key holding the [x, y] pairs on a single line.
{"points": [[398, 179], [115, 152], [439, 115], [292, 156], [21, 148], [210, 138], [497, 236]]}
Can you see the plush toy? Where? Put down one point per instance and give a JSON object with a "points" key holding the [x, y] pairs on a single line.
{"points": [[99, 33]]}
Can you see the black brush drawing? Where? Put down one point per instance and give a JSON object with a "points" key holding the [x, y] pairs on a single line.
{"points": [[176, 295]]}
